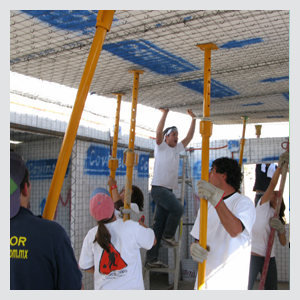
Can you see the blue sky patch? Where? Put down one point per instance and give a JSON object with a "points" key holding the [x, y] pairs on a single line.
{"points": [[241, 44], [218, 90], [150, 56]]}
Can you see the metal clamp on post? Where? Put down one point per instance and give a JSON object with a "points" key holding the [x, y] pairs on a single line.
{"points": [[130, 158], [113, 163], [205, 127], [105, 18]]}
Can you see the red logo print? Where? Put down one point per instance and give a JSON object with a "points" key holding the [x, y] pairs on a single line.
{"points": [[111, 261]]}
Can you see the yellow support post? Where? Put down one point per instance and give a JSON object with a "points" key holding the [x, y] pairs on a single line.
{"points": [[130, 157], [206, 132], [242, 142], [113, 162], [104, 21]]}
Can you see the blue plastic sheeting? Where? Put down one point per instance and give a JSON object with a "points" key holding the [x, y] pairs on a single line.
{"points": [[253, 104], [275, 79], [242, 43], [218, 90], [287, 96], [80, 21], [148, 55], [275, 117]]}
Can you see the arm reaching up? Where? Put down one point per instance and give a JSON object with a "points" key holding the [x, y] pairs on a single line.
{"points": [[191, 131], [160, 126]]}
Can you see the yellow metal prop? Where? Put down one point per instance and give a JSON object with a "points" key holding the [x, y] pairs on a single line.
{"points": [[104, 21], [130, 157], [113, 162], [242, 142], [206, 132]]}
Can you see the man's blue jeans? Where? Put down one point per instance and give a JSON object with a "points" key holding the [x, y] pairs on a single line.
{"points": [[169, 211], [256, 266]]}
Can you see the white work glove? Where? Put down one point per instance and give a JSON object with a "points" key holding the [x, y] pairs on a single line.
{"points": [[284, 157], [276, 224], [210, 193], [198, 253], [137, 217]]}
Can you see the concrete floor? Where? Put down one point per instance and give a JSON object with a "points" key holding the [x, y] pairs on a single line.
{"points": [[159, 281]]}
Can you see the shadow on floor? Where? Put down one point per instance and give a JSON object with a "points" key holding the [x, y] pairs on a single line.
{"points": [[159, 281]]}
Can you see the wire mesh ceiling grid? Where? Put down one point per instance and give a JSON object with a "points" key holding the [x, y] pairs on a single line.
{"points": [[249, 71]]}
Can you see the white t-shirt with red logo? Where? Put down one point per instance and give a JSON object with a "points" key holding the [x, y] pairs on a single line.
{"points": [[121, 269]]}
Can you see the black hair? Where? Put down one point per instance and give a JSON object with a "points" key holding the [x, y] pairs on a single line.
{"points": [[137, 197], [25, 180], [103, 236], [281, 212], [231, 168]]}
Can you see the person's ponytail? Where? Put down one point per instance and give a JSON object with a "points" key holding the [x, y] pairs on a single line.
{"points": [[103, 236]]}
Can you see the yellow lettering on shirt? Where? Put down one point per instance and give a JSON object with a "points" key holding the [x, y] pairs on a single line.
{"points": [[18, 241]]}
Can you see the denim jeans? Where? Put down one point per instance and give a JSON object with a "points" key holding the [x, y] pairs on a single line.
{"points": [[169, 211], [256, 267]]}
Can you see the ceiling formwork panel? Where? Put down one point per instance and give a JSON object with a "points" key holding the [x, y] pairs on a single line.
{"points": [[249, 71]]}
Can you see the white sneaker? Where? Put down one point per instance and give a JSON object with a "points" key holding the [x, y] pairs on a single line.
{"points": [[170, 241], [156, 264]]}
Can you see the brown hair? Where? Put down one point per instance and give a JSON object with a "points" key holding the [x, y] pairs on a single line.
{"points": [[103, 236]]}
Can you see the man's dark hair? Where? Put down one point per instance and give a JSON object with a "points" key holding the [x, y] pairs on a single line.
{"points": [[25, 180], [167, 129], [231, 168]]}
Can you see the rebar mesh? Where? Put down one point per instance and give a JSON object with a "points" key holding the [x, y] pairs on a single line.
{"points": [[250, 69]]}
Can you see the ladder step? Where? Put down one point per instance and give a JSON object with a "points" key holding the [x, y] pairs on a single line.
{"points": [[166, 245], [187, 180], [161, 270]]}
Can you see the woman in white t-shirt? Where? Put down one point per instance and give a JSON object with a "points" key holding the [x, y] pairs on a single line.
{"points": [[265, 220], [111, 250]]}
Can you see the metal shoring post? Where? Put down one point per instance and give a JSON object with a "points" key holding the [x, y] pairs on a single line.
{"points": [[113, 162], [104, 21], [206, 132], [130, 157], [242, 142]]}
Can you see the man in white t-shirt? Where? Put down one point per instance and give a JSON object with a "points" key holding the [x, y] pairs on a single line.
{"points": [[165, 179], [230, 218]]}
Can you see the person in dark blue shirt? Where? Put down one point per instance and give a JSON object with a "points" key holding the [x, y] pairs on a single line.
{"points": [[41, 255]]}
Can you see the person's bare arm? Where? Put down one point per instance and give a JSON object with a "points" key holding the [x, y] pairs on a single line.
{"points": [[283, 158], [282, 239], [191, 131], [231, 223], [115, 193], [160, 126], [91, 270]]}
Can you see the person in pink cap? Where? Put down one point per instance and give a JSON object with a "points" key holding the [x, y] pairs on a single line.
{"points": [[111, 250]]}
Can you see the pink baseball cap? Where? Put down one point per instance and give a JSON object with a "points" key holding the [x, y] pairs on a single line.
{"points": [[101, 205]]}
